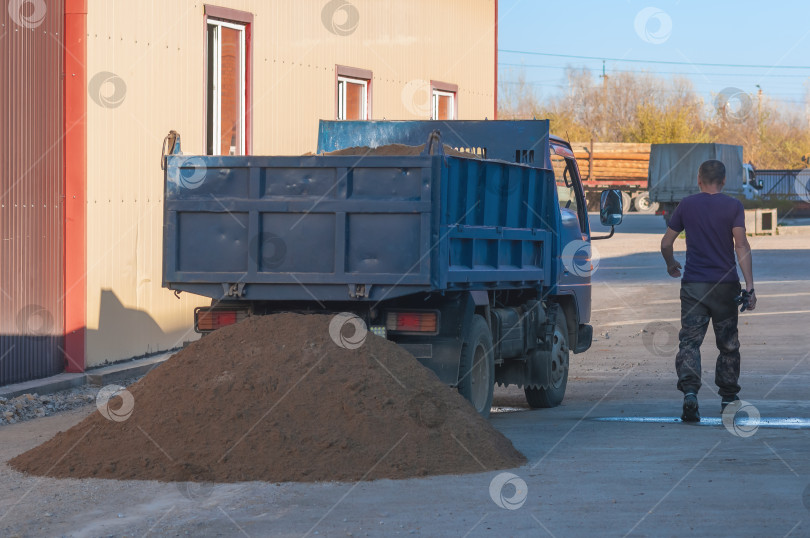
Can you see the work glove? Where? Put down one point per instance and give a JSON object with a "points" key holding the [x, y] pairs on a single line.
{"points": [[747, 300]]}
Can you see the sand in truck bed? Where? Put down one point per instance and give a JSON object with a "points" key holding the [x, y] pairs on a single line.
{"points": [[398, 150]]}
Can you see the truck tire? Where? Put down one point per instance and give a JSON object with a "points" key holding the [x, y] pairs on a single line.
{"points": [[626, 202], [477, 367], [553, 395], [643, 204]]}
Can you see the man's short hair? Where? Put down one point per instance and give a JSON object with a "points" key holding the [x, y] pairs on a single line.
{"points": [[712, 172]]}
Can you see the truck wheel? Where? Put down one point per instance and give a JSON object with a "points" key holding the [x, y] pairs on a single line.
{"points": [[643, 204], [626, 202], [553, 395], [477, 367]]}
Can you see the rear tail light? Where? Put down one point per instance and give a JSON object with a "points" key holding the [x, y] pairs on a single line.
{"points": [[211, 319], [412, 322]]}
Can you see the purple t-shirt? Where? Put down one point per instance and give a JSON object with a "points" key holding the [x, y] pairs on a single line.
{"points": [[708, 220]]}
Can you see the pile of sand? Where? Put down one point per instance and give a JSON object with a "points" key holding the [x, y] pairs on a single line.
{"points": [[274, 398]]}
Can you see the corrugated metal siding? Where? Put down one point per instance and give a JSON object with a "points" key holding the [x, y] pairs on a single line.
{"points": [[155, 50], [781, 184], [31, 191], [404, 44]]}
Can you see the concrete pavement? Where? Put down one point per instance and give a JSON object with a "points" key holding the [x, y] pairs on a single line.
{"points": [[585, 476]]}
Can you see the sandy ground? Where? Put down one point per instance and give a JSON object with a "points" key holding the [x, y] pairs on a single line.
{"points": [[585, 476]]}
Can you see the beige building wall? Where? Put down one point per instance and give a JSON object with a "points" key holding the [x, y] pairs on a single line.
{"points": [[146, 63]]}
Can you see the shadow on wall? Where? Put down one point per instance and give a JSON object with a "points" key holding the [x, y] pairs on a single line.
{"points": [[124, 333]]}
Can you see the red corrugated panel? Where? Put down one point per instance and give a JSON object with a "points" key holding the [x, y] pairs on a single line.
{"points": [[31, 190], [75, 180]]}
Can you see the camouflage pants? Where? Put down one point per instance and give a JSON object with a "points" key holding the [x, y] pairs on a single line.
{"points": [[702, 302]]}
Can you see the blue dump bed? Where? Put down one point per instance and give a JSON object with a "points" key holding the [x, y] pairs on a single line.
{"points": [[337, 227]]}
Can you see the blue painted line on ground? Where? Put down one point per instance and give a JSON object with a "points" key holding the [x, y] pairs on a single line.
{"points": [[792, 423]]}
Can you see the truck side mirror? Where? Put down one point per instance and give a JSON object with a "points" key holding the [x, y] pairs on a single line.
{"points": [[610, 208]]}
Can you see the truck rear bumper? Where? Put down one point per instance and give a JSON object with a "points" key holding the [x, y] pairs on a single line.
{"points": [[584, 338]]}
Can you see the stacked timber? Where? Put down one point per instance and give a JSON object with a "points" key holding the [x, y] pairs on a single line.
{"points": [[612, 160]]}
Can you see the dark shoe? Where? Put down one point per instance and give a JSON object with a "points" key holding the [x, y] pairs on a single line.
{"points": [[727, 400], [690, 408]]}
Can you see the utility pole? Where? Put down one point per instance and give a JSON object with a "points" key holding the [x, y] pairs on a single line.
{"points": [[759, 119], [604, 76]]}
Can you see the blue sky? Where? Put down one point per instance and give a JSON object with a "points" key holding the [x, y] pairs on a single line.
{"points": [[771, 34]]}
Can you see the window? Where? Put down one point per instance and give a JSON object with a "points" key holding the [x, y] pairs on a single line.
{"points": [[353, 93], [226, 88], [565, 185], [566, 176], [227, 85], [443, 105], [352, 99]]}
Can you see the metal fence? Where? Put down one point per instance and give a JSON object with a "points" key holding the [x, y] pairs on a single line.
{"points": [[784, 184]]}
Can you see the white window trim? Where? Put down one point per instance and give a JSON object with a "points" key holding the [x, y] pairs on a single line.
{"points": [[435, 107], [217, 132], [342, 96]]}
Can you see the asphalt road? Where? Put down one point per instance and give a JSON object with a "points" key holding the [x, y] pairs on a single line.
{"points": [[633, 223], [595, 469]]}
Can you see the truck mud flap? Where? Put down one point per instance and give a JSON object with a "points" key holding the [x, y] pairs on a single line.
{"points": [[584, 338], [440, 355]]}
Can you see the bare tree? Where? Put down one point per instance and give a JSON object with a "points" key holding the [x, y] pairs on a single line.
{"points": [[642, 107]]}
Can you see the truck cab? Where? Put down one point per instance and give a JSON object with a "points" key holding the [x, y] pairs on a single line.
{"points": [[574, 288], [751, 185]]}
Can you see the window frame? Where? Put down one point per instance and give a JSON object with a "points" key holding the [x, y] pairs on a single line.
{"points": [[353, 75], [217, 75], [240, 20], [572, 171], [438, 88], [342, 100]]}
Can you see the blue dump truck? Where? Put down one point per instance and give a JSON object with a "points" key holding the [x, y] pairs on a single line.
{"points": [[475, 259]]}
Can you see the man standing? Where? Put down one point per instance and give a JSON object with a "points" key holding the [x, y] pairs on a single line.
{"points": [[715, 229]]}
